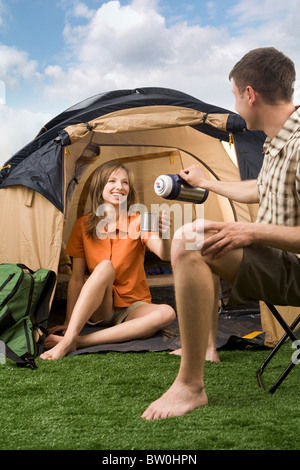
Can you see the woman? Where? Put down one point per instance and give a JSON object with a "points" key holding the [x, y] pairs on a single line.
{"points": [[116, 292]]}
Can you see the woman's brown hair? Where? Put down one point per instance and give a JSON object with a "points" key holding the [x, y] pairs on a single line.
{"points": [[99, 180]]}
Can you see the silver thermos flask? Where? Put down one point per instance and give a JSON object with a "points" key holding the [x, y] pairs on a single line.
{"points": [[174, 187]]}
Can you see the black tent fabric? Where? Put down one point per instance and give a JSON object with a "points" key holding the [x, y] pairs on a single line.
{"points": [[234, 332], [238, 327], [38, 165]]}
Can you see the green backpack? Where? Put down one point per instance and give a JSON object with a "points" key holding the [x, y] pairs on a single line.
{"points": [[24, 310]]}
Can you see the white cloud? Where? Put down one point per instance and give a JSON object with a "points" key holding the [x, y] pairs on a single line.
{"points": [[268, 22], [126, 46], [256, 12], [3, 14], [2, 92], [18, 128], [130, 46], [15, 65], [80, 10]]}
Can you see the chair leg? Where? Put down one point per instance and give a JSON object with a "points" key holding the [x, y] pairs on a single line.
{"points": [[282, 377], [288, 334]]}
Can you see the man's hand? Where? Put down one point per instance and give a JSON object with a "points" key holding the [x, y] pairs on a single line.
{"points": [[226, 236], [194, 176]]}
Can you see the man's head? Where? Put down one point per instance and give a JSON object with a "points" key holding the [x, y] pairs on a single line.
{"points": [[269, 72]]}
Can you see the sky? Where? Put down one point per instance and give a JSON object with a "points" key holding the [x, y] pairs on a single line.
{"points": [[53, 54]]}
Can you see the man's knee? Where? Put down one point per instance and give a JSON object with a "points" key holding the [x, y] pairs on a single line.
{"points": [[186, 241]]}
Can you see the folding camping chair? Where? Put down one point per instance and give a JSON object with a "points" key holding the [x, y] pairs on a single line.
{"points": [[289, 333]]}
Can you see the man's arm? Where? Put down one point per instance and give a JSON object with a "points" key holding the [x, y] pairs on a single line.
{"points": [[239, 191], [222, 237]]}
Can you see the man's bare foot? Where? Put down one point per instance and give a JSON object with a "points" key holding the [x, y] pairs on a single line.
{"points": [[211, 354], [179, 400], [61, 347]]}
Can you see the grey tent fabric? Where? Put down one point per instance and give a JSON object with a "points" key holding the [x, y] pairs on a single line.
{"points": [[231, 331]]}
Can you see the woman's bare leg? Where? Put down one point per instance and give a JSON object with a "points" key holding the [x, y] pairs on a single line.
{"points": [[143, 322], [95, 292]]}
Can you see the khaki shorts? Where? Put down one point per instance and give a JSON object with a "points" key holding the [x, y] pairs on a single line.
{"points": [[265, 274], [118, 314]]}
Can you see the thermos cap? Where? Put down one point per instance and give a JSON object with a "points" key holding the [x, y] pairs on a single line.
{"points": [[174, 187], [163, 185]]}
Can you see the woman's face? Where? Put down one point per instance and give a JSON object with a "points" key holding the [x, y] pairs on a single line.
{"points": [[116, 190]]}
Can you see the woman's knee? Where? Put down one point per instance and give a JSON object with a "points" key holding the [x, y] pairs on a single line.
{"points": [[165, 314], [105, 271]]}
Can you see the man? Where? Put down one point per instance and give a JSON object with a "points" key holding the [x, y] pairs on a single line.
{"points": [[258, 259]]}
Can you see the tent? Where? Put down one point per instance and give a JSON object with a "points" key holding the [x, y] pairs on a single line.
{"points": [[44, 186]]}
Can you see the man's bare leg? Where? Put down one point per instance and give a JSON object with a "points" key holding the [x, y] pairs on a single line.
{"points": [[195, 298], [211, 350], [187, 392]]}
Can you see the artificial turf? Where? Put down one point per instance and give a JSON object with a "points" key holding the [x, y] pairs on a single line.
{"points": [[94, 402]]}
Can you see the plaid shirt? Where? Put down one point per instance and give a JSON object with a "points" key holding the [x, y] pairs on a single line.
{"points": [[279, 179]]}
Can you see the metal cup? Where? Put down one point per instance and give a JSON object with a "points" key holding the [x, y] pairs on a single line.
{"points": [[149, 222]]}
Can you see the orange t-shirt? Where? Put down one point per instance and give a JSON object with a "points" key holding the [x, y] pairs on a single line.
{"points": [[124, 247]]}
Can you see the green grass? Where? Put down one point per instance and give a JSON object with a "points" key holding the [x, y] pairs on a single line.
{"points": [[94, 402]]}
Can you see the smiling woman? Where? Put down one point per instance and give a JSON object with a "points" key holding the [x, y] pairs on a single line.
{"points": [[117, 188], [112, 192], [116, 293]]}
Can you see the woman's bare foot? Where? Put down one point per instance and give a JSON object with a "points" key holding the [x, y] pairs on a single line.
{"points": [[52, 340], [179, 400], [60, 347], [176, 352], [211, 354]]}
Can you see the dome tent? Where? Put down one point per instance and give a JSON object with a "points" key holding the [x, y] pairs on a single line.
{"points": [[44, 186]]}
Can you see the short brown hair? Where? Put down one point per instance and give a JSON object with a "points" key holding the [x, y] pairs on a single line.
{"points": [[268, 71]]}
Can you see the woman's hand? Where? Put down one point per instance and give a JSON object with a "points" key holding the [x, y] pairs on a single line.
{"points": [[57, 328], [164, 225]]}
